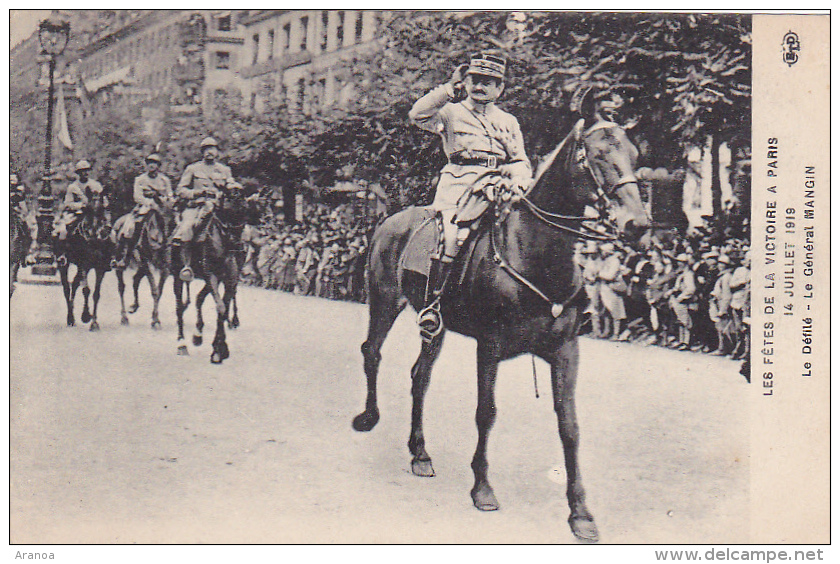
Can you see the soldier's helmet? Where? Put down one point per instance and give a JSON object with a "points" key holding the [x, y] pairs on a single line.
{"points": [[209, 142], [153, 157], [82, 165]]}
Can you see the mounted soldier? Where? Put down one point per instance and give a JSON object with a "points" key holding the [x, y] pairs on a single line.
{"points": [[18, 205], [197, 193], [81, 194], [486, 151], [152, 191]]}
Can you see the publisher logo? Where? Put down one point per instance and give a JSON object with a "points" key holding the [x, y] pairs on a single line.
{"points": [[790, 48]]}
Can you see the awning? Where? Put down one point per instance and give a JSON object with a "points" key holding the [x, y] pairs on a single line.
{"points": [[114, 77]]}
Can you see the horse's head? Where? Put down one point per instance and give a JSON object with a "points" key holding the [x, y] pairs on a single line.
{"points": [[594, 166], [610, 157]]}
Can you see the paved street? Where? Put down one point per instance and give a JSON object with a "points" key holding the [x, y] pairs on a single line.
{"points": [[115, 439]]}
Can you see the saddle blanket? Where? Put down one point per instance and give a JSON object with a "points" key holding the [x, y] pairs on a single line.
{"points": [[424, 244]]}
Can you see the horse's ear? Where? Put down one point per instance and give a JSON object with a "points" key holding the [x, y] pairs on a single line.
{"points": [[583, 101]]}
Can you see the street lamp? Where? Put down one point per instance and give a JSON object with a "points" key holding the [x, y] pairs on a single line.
{"points": [[53, 35]]}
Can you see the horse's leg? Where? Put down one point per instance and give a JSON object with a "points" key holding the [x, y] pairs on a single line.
{"points": [[86, 317], [220, 348], [157, 292], [178, 286], [100, 275], [199, 316], [564, 368], [121, 289], [384, 310], [135, 284], [68, 294], [13, 277], [234, 319], [421, 463], [488, 357]]}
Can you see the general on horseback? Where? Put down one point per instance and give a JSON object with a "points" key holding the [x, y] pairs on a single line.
{"points": [[520, 289], [486, 154]]}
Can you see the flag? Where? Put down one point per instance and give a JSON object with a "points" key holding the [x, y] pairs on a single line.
{"points": [[63, 130]]}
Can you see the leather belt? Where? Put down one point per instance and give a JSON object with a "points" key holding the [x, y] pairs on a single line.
{"points": [[490, 161]]}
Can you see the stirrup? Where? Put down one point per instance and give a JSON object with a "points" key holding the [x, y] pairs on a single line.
{"points": [[61, 260], [430, 321], [186, 274]]}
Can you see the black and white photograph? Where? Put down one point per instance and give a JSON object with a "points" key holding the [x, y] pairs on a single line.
{"points": [[405, 277]]}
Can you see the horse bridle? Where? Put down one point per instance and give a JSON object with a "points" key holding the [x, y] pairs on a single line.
{"points": [[603, 204], [554, 219]]}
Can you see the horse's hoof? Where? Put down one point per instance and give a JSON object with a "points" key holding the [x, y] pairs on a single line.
{"points": [[234, 323], [94, 327], [422, 468], [124, 320], [224, 351], [584, 529], [484, 498], [71, 322], [182, 350], [86, 316], [216, 358], [197, 340], [366, 421], [156, 325], [133, 308]]}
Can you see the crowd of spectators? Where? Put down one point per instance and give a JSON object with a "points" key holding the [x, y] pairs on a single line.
{"points": [[322, 254], [679, 292]]}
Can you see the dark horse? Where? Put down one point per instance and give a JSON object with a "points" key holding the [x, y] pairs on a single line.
{"points": [[217, 258], [20, 240], [521, 294], [151, 257], [89, 247]]}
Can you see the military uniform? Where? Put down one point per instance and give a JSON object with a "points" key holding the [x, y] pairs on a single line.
{"points": [[77, 198], [483, 145], [149, 194], [474, 142], [199, 191]]}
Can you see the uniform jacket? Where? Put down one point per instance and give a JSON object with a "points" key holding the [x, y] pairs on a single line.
{"points": [[150, 192], [203, 182], [466, 133], [76, 197]]}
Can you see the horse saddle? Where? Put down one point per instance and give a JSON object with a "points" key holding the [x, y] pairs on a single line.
{"points": [[426, 241]]}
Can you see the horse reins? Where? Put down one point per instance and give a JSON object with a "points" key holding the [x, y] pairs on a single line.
{"points": [[554, 219]]}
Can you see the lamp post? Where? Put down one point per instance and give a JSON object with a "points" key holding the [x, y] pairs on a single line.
{"points": [[53, 35]]}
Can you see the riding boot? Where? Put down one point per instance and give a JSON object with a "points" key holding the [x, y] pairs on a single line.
{"points": [[429, 318]]}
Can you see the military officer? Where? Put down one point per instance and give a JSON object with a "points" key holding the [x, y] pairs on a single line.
{"points": [[152, 191], [78, 196], [484, 146], [198, 193]]}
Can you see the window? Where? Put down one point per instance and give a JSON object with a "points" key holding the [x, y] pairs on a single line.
{"points": [[339, 32], [359, 26], [270, 44], [222, 60], [253, 100], [301, 93], [223, 22], [256, 41], [325, 21], [285, 36], [304, 32]]}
